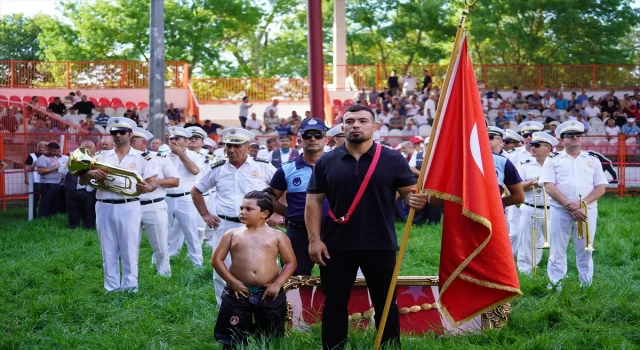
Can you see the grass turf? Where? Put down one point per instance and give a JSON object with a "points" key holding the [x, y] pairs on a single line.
{"points": [[51, 295]]}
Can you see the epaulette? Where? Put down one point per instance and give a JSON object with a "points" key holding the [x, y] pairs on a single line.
{"points": [[161, 155], [97, 154], [262, 160], [525, 162], [593, 154], [218, 163], [146, 155], [511, 150], [553, 154]]}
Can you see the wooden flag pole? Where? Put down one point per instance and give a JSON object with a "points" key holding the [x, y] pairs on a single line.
{"points": [[412, 211]]}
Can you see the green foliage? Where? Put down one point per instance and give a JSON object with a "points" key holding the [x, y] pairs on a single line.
{"points": [[19, 38], [52, 295]]}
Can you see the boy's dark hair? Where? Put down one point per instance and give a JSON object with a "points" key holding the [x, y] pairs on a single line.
{"points": [[53, 145], [358, 108], [263, 199]]}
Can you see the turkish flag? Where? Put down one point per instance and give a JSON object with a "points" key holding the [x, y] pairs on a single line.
{"points": [[477, 269]]}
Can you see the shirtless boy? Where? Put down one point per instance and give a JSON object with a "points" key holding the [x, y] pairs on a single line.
{"points": [[254, 282]]}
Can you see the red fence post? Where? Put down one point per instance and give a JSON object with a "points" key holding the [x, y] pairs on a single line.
{"points": [[13, 73], [594, 76], [622, 165], [185, 79], [67, 74]]}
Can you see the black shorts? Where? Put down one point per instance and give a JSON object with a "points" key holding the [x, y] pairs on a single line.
{"points": [[235, 321]]}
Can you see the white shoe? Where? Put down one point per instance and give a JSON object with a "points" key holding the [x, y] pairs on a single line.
{"points": [[556, 286]]}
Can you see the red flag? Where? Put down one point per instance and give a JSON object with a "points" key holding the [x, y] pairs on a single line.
{"points": [[477, 269]]}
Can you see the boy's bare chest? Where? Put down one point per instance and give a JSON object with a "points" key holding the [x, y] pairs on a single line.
{"points": [[254, 244]]}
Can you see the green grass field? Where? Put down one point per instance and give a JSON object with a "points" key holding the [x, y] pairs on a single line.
{"points": [[52, 295]]}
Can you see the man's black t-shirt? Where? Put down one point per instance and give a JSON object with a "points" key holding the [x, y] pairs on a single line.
{"points": [[84, 107], [339, 175], [426, 81], [392, 82], [59, 108]]}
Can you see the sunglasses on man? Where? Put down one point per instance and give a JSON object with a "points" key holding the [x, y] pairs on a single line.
{"points": [[492, 137], [118, 132], [309, 135], [527, 135], [510, 142], [536, 144], [572, 136]]}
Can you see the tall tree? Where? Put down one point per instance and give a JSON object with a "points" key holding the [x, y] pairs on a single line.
{"points": [[19, 38]]}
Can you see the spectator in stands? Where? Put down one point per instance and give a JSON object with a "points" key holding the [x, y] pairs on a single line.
{"points": [[409, 129], [72, 116], [510, 113], [373, 95], [193, 121], [47, 167], [608, 109], [69, 100], [91, 128], [361, 95], [384, 116], [396, 121], [294, 120], [107, 143], [485, 101], [495, 101], [407, 150], [631, 110], [102, 119], [501, 120], [272, 107], [3, 165], [592, 111], [562, 103], [518, 101], [630, 129], [84, 106], [548, 100], [420, 119], [253, 123], [212, 128], [77, 97], [129, 114], [531, 117], [611, 130], [523, 111], [392, 83], [40, 128], [551, 114], [173, 113], [9, 122], [271, 121], [573, 101], [283, 128], [426, 81], [582, 120], [244, 110], [552, 127], [510, 96], [155, 144], [16, 113], [582, 98], [284, 153], [409, 85], [383, 130], [397, 106], [412, 107], [57, 107], [535, 101]]}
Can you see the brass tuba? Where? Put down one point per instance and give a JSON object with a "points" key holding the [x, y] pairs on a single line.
{"points": [[80, 161], [583, 227]]}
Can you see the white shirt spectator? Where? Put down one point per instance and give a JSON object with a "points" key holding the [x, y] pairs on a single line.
{"points": [[412, 132], [546, 103], [253, 124], [384, 118], [494, 103], [269, 108], [420, 119], [612, 131], [383, 130], [409, 83], [411, 109], [430, 106], [244, 109], [592, 112]]}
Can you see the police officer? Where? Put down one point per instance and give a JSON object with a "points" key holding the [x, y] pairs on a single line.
{"points": [[155, 217], [293, 178], [180, 205], [118, 216], [233, 177], [541, 146], [505, 170], [566, 177]]}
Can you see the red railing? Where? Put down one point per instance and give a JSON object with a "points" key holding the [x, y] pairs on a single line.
{"points": [[72, 75]]}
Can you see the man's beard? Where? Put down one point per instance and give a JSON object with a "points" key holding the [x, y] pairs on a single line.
{"points": [[357, 140]]}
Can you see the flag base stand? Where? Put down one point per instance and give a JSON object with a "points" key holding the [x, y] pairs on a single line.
{"points": [[417, 304]]}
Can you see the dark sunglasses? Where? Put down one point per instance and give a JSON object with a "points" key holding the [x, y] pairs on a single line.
{"points": [[571, 136], [527, 135], [194, 138], [510, 142], [308, 136], [492, 137], [536, 145], [118, 132]]}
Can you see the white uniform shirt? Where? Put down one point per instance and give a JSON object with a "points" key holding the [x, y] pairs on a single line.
{"points": [[219, 152], [519, 155], [187, 179], [165, 170], [573, 177], [134, 160], [528, 171], [233, 183]]}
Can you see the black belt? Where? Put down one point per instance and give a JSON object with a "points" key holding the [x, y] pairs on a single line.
{"points": [[176, 195], [118, 201], [296, 224], [229, 218], [152, 201], [536, 206]]}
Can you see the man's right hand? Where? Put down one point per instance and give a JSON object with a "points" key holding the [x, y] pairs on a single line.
{"points": [[211, 220], [175, 149], [98, 174], [316, 250]]}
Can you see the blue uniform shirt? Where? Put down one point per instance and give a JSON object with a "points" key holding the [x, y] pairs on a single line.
{"points": [[293, 177], [505, 171]]}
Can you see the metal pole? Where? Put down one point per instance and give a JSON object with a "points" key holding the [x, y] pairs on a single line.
{"points": [[316, 65], [156, 70]]}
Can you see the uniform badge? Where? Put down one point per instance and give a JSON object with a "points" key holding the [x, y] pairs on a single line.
{"points": [[590, 165], [234, 320], [255, 173], [312, 122], [132, 165], [297, 181], [116, 121], [232, 131]]}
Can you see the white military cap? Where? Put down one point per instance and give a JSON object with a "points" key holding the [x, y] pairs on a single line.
{"points": [[338, 129], [510, 134], [209, 142], [543, 137], [176, 131], [570, 127], [494, 130], [140, 132], [120, 123], [530, 126], [197, 131], [163, 149], [555, 122], [237, 136]]}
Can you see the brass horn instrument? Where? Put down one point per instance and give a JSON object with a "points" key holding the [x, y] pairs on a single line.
{"points": [[81, 161], [538, 191], [583, 227]]}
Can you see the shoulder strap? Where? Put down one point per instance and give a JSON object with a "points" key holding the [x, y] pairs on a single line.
{"points": [[363, 186]]}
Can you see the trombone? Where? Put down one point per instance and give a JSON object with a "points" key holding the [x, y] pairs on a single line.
{"points": [[537, 192], [583, 227]]}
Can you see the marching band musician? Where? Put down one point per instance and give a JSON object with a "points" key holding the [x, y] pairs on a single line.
{"points": [[155, 217], [566, 177], [511, 142], [181, 208], [336, 137], [232, 177], [196, 144], [541, 146], [118, 216]]}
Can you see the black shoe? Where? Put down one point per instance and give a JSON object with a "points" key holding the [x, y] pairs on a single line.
{"points": [[613, 181]]}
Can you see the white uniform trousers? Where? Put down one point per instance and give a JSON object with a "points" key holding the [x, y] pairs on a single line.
{"points": [[211, 207], [525, 251], [218, 282], [155, 219], [183, 225], [562, 226], [119, 232], [513, 222]]}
